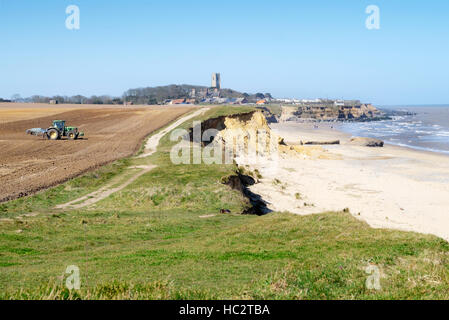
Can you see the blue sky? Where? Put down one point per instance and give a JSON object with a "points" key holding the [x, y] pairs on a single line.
{"points": [[303, 49]]}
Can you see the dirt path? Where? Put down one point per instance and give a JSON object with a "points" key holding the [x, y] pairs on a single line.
{"points": [[150, 149], [103, 192], [153, 141]]}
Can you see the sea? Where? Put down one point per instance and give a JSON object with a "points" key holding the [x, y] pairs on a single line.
{"points": [[423, 128]]}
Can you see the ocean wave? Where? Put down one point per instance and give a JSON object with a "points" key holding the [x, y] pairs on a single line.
{"points": [[420, 148], [415, 134]]}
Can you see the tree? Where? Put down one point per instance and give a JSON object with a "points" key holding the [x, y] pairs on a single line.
{"points": [[78, 99], [117, 101], [60, 99], [39, 99], [16, 98]]}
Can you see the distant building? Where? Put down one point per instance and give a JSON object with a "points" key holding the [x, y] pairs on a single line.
{"points": [[237, 101], [219, 100], [53, 101], [311, 101], [284, 100], [352, 102], [241, 101], [339, 103], [178, 101], [261, 102], [216, 81]]}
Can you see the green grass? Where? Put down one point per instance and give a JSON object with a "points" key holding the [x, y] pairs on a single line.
{"points": [[73, 189], [149, 242]]}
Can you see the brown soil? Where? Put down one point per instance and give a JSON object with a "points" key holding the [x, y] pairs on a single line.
{"points": [[29, 164]]}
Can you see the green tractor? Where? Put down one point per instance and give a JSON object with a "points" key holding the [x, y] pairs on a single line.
{"points": [[59, 130]]}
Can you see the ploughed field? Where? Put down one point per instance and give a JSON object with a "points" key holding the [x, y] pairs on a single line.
{"points": [[29, 163]]}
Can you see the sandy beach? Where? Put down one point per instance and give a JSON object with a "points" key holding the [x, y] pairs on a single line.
{"points": [[390, 187]]}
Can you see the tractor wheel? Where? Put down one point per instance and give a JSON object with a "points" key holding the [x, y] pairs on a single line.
{"points": [[71, 135], [52, 134]]}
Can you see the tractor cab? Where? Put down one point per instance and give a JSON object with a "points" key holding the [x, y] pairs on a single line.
{"points": [[59, 124]]}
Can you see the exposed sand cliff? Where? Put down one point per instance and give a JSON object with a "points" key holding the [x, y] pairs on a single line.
{"points": [[330, 113]]}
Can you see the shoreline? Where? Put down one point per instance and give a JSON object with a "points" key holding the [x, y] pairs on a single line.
{"points": [[337, 132], [408, 147], [419, 149], [391, 187]]}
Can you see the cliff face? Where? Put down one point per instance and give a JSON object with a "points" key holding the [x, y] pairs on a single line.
{"points": [[223, 122], [242, 139], [364, 111], [330, 113], [247, 138], [248, 132]]}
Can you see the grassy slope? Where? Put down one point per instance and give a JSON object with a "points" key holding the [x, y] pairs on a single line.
{"points": [[148, 241]]}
